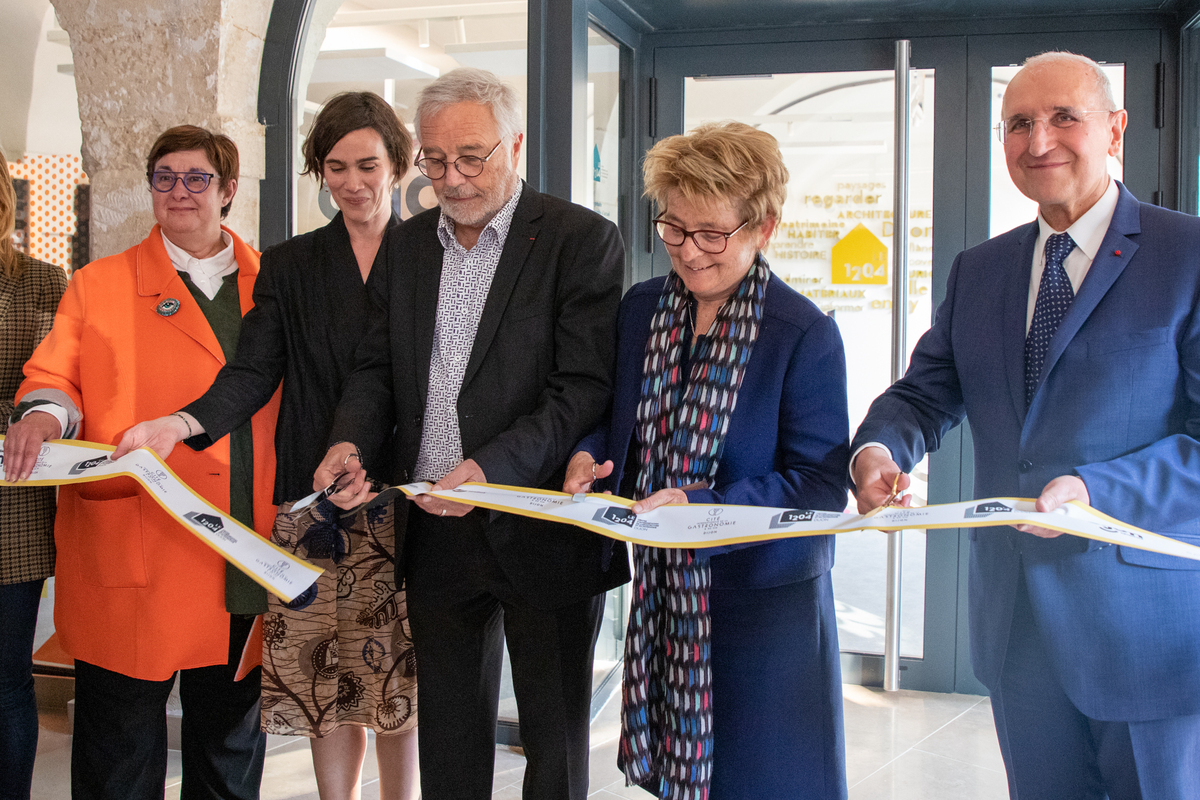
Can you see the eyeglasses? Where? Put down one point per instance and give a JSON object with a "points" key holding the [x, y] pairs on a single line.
{"points": [[1022, 127], [712, 242], [163, 180], [467, 166]]}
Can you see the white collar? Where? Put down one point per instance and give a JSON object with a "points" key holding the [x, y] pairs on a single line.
{"points": [[1089, 230], [206, 273]]}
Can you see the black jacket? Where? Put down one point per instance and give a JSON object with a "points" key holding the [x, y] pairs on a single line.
{"points": [[538, 379]]}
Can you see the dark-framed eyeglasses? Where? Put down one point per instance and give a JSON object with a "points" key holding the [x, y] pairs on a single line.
{"points": [[163, 180], [467, 166], [1018, 126], [712, 242]]}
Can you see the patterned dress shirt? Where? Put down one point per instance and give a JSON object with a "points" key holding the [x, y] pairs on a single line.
{"points": [[466, 279]]}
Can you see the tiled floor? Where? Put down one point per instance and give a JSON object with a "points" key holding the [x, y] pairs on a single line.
{"points": [[901, 746]]}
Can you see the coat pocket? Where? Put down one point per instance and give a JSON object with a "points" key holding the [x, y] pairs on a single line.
{"points": [[109, 542], [1128, 340], [1145, 558]]}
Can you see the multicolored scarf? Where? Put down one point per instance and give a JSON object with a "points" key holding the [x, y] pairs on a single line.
{"points": [[666, 706]]}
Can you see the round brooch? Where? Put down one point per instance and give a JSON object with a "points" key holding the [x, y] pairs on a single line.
{"points": [[167, 307]]}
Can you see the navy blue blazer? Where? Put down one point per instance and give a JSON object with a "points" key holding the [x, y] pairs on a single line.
{"points": [[787, 444], [1119, 406]]}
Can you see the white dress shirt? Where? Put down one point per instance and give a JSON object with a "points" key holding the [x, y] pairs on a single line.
{"points": [[1087, 232]]}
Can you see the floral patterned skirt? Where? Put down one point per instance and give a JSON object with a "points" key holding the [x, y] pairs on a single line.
{"points": [[341, 653]]}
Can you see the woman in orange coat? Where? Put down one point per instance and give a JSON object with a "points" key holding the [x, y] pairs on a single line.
{"points": [[137, 597]]}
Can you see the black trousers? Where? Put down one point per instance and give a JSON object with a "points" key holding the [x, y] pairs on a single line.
{"points": [[462, 609], [119, 749]]}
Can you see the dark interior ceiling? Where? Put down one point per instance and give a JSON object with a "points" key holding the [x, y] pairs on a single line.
{"points": [[674, 15]]}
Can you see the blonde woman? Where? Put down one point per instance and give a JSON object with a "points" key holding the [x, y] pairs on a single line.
{"points": [[29, 293], [731, 388]]}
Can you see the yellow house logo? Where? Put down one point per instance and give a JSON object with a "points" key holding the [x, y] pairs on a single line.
{"points": [[860, 258]]}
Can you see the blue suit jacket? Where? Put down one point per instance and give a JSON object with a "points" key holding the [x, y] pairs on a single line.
{"points": [[787, 443], [1119, 406]]}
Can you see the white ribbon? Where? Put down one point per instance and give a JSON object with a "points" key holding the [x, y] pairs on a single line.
{"points": [[64, 462], [698, 525]]}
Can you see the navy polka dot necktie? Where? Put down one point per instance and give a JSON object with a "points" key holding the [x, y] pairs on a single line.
{"points": [[1053, 299]]}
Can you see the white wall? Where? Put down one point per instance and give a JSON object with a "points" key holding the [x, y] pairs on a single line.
{"points": [[18, 42], [53, 121]]}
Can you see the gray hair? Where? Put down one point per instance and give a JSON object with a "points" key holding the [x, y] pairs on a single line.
{"points": [[471, 85], [1102, 84]]}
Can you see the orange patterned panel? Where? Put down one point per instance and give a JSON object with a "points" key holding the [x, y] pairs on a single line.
{"points": [[52, 181]]}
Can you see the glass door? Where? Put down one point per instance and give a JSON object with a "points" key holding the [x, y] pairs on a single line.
{"points": [[1134, 62], [597, 184], [835, 130], [831, 106]]}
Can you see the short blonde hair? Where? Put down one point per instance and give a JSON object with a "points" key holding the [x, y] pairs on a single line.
{"points": [[720, 161]]}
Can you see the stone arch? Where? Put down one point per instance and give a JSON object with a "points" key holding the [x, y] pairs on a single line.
{"points": [[142, 66]]}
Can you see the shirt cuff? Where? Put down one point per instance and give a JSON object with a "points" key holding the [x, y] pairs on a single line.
{"points": [[854, 455], [56, 397], [54, 410]]}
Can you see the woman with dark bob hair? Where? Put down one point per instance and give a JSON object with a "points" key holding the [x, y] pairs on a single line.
{"points": [[730, 389], [138, 600], [337, 660]]}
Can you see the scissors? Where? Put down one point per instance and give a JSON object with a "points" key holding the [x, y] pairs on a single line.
{"points": [[309, 504], [891, 499]]}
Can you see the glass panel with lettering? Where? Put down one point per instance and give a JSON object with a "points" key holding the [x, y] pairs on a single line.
{"points": [[836, 133]]}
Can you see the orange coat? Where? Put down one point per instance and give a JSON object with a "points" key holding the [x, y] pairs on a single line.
{"points": [[136, 592]]}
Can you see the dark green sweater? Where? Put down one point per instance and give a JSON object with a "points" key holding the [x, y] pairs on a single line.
{"points": [[224, 315]]}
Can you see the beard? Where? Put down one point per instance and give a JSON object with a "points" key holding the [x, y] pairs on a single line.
{"points": [[477, 212]]}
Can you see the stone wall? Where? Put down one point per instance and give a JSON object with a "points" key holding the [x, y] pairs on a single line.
{"points": [[142, 66]]}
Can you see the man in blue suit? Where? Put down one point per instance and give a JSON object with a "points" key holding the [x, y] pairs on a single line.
{"points": [[1076, 360]]}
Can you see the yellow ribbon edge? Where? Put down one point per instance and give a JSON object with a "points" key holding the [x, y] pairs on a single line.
{"points": [[82, 445], [876, 524]]}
